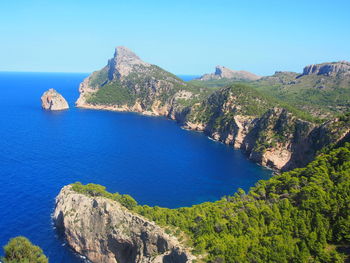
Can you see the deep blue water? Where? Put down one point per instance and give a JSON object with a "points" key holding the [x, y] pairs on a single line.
{"points": [[150, 158]]}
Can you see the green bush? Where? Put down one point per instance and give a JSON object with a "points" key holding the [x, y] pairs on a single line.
{"points": [[21, 250]]}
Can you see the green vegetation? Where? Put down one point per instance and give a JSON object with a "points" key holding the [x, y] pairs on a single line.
{"points": [[323, 96], [99, 78], [216, 83], [112, 94], [99, 190], [244, 100], [298, 216], [319, 96], [21, 250]]}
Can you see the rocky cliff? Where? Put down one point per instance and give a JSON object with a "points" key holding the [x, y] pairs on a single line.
{"points": [[129, 84], [328, 69], [52, 100], [222, 72], [271, 136], [104, 231]]}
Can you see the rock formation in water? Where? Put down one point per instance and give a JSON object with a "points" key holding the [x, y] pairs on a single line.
{"points": [[105, 231], [52, 100], [222, 72]]}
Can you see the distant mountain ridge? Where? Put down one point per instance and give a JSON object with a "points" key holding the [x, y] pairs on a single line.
{"points": [[222, 72]]}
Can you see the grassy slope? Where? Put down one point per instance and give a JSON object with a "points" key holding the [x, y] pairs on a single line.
{"points": [[320, 95]]}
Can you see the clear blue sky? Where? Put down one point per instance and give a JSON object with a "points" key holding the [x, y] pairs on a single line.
{"points": [[182, 36]]}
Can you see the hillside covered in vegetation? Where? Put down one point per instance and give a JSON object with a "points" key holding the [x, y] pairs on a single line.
{"points": [[298, 216], [322, 90]]}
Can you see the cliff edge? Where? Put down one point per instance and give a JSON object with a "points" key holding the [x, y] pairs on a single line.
{"points": [[104, 231]]}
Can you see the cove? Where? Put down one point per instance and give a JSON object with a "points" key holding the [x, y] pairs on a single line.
{"points": [[150, 158]]}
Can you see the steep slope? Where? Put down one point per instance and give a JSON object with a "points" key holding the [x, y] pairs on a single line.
{"points": [[105, 231], [298, 216], [322, 89], [129, 84]]}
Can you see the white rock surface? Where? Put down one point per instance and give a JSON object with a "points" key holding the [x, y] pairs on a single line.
{"points": [[52, 100]]}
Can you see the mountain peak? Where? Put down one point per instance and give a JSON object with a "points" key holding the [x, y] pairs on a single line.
{"points": [[122, 52], [124, 61]]}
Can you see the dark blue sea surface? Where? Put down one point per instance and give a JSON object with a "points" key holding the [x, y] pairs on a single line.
{"points": [[150, 158]]}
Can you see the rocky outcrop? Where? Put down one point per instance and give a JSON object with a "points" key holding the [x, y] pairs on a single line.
{"points": [[328, 69], [52, 100], [104, 231], [222, 72]]}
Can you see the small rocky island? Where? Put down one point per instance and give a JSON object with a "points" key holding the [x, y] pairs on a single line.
{"points": [[52, 100]]}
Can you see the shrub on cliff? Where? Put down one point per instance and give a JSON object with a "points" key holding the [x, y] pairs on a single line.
{"points": [[21, 250]]}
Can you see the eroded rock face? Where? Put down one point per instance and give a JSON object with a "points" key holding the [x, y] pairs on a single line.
{"points": [[282, 141], [52, 100], [222, 72], [328, 69], [104, 231]]}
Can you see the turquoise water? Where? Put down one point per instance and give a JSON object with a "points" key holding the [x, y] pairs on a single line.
{"points": [[150, 158]]}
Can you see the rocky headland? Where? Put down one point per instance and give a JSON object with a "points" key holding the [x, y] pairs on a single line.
{"points": [[127, 83], [52, 100], [105, 231]]}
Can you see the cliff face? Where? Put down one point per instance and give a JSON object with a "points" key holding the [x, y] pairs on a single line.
{"points": [[129, 84], [270, 136], [222, 72], [228, 114], [52, 100], [328, 69], [104, 231]]}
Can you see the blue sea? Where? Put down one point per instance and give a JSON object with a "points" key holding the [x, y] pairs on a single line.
{"points": [[150, 158]]}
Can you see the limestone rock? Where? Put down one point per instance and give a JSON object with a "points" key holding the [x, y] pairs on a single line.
{"points": [[52, 100], [124, 62], [222, 72], [328, 69], [104, 231]]}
